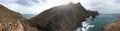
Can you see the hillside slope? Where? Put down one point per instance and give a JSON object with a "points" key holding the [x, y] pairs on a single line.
{"points": [[62, 18], [115, 26], [12, 21]]}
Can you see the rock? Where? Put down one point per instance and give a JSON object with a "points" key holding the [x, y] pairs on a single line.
{"points": [[12, 21], [115, 26], [62, 18]]}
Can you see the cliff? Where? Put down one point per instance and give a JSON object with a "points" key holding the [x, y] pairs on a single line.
{"points": [[62, 18], [12, 21], [112, 26]]}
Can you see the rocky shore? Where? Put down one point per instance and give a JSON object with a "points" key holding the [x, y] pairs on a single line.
{"points": [[115, 26]]}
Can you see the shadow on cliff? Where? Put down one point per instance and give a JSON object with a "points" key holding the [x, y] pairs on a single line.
{"points": [[62, 18]]}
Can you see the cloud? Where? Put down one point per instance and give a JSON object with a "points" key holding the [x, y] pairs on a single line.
{"points": [[23, 2], [37, 6], [6, 1], [24, 6], [29, 2], [117, 1], [103, 6]]}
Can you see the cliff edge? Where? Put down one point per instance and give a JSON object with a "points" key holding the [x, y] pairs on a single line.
{"points": [[62, 18]]}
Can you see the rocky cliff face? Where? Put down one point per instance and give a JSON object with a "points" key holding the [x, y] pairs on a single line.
{"points": [[112, 26], [12, 21], [62, 18]]}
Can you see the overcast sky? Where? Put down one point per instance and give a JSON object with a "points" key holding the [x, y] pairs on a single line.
{"points": [[37, 6]]}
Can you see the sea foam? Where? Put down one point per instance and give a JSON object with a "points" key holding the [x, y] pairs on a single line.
{"points": [[86, 24]]}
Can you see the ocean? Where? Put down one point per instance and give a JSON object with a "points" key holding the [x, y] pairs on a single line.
{"points": [[102, 20], [95, 25], [28, 16]]}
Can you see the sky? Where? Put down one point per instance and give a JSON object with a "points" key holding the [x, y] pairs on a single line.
{"points": [[38, 6]]}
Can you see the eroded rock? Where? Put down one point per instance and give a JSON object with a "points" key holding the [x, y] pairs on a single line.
{"points": [[62, 18]]}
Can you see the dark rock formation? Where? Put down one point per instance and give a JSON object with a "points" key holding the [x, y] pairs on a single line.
{"points": [[62, 18], [12, 21], [112, 26]]}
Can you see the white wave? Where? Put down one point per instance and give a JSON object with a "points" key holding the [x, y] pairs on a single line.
{"points": [[86, 24]]}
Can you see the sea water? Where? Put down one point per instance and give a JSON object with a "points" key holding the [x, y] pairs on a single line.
{"points": [[98, 23], [102, 20], [86, 24]]}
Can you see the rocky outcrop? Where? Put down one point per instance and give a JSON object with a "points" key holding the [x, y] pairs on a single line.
{"points": [[112, 26], [62, 18], [12, 21]]}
